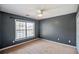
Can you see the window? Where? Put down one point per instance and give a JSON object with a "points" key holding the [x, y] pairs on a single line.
{"points": [[20, 29], [30, 29], [24, 29]]}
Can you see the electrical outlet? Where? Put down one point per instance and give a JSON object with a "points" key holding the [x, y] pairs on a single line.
{"points": [[58, 39], [69, 41], [13, 41]]}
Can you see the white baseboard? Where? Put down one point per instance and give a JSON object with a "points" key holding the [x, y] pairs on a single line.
{"points": [[16, 45], [59, 43], [36, 39]]}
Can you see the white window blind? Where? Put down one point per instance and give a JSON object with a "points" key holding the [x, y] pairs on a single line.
{"points": [[24, 29], [30, 29]]}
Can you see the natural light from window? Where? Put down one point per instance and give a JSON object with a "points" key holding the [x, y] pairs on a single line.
{"points": [[24, 29]]}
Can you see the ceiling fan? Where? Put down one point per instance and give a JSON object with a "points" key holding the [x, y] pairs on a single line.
{"points": [[40, 12]]}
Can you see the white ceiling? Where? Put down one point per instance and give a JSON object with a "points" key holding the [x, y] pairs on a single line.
{"points": [[51, 10]]}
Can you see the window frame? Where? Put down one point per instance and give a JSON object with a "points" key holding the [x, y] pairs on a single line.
{"points": [[20, 20], [33, 27], [16, 30]]}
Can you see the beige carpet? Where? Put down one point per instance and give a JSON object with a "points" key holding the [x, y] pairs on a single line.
{"points": [[41, 47]]}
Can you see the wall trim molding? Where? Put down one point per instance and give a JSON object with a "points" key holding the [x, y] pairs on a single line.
{"points": [[17, 44], [59, 43]]}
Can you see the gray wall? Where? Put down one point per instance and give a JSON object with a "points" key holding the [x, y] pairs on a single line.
{"points": [[8, 29], [60, 27]]}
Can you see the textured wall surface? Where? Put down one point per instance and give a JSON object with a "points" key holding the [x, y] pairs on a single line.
{"points": [[60, 29], [8, 29]]}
